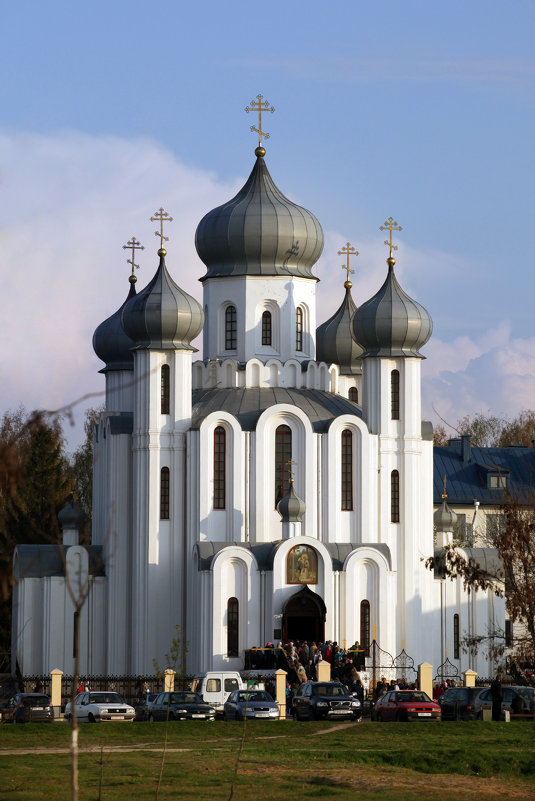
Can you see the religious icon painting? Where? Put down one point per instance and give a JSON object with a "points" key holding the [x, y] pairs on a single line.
{"points": [[302, 565]]}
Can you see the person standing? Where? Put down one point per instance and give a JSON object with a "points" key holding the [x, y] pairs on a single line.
{"points": [[496, 695]]}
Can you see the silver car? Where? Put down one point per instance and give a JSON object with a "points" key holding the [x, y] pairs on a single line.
{"points": [[250, 704]]}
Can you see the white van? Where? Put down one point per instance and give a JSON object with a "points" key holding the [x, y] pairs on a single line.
{"points": [[215, 686]]}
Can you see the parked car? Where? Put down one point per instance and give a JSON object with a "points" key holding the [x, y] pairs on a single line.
{"points": [[180, 706], [517, 700], [250, 704], [459, 703], [28, 708], [144, 707], [100, 706], [406, 705], [319, 700]]}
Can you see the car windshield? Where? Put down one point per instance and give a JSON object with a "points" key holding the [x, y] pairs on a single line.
{"points": [[185, 698], [329, 689], [36, 700], [254, 695], [412, 698], [105, 698]]}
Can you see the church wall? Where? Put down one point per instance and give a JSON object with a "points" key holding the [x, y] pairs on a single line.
{"points": [[368, 577], [119, 391]]}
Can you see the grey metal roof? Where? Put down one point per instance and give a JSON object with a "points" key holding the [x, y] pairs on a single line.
{"points": [[467, 470], [38, 561], [391, 323], [334, 343], [112, 344], [340, 551], [259, 232], [248, 404], [162, 315], [291, 507]]}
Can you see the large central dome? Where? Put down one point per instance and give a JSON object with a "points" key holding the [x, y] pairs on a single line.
{"points": [[259, 232]]}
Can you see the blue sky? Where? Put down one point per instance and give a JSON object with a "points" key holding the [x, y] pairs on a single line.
{"points": [[419, 110]]}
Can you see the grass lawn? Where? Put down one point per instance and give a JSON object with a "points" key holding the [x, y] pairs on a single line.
{"points": [[283, 760]]}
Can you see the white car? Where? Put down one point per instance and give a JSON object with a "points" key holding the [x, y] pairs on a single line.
{"points": [[95, 706]]}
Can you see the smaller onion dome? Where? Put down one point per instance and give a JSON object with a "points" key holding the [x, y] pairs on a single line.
{"points": [[111, 343], [391, 323], [334, 343], [291, 508], [444, 518], [71, 516], [259, 232], [162, 315]]}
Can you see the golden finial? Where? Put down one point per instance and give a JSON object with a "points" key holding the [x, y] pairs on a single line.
{"points": [[348, 251], [161, 215], [447, 653], [133, 245], [444, 494], [390, 225], [402, 645], [374, 632], [260, 105], [290, 464]]}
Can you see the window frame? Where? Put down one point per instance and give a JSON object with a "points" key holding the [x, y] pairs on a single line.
{"points": [[283, 453], [231, 328], [233, 627], [267, 328], [394, 497], [365, 626], [165, 494], [394, 395], [346, 472], [299, 318], [165, 389], [219, 497]]}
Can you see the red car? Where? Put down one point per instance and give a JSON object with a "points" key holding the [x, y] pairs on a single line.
{"points": [[406, 705]]}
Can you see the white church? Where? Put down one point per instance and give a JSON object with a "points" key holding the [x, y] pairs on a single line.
{"points": [[278, 487]]}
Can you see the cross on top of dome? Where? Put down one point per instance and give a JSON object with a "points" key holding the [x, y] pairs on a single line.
{"points": [[260, 105], [133, 245], [162, 216]]}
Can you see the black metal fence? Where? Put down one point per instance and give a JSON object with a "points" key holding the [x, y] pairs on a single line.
{"points": [[381, 664]]}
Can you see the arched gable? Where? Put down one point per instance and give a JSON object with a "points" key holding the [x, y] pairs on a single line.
{"points": [[368, 576]]}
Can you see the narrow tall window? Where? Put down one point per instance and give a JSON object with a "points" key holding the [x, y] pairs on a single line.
{"points": [[164, 493], [394, 497], [230, 328], [233, 627], [354, 394], [164, 389], [219, 467], [299, 329], [283, 453], [394, 394], [347, 470], [456, 649], [365, 627], [266, 328]]}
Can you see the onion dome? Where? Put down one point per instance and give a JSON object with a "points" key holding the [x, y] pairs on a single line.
{"points": [[71, 516], [444, 518], [162, 315], [334, 343], [291, 508], [391, 323], [111, 343], [259, 232]]}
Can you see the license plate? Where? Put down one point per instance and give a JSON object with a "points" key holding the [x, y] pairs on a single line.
{"points": [[339, 711], [117, 717], [262, 715], [37, 708], [198, 716], [424, 714]]}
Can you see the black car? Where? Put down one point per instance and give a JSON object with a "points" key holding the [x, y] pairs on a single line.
{"points": [[319, 700], [459, 703], [144, 707], [180, 706], [27, 708]]}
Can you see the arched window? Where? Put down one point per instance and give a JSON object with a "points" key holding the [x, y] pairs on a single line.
{"points": [[283, 454], [347, 470], [394, 497], [365, 627], [230, 328], [165, 389], [354, 394], [164, 493], [394, 394], [299, 329], [266, 328], [456, 646], [219, 467], [233, 627]]}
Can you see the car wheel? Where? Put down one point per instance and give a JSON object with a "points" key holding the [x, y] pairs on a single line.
{"points": [[91, 718], [68, 717]]}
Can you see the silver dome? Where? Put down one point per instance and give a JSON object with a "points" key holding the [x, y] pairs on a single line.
{"points": [[291, 508], [259, 232], [334, 343], [112, 344]]}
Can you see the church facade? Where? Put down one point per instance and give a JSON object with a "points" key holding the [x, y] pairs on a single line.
{"points": [[277, 487]]}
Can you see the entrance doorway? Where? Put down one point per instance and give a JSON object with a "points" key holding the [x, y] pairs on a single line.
{"points": [[303, 617]]}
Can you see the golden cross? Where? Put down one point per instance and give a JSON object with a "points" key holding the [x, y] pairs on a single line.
{"points": [[348, 251], [134, 245], [390, 225], [259, 105], [161, 215], [291, 462]]}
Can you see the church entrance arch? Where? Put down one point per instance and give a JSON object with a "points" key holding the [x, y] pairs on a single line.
{"points": [[303, 617]]}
